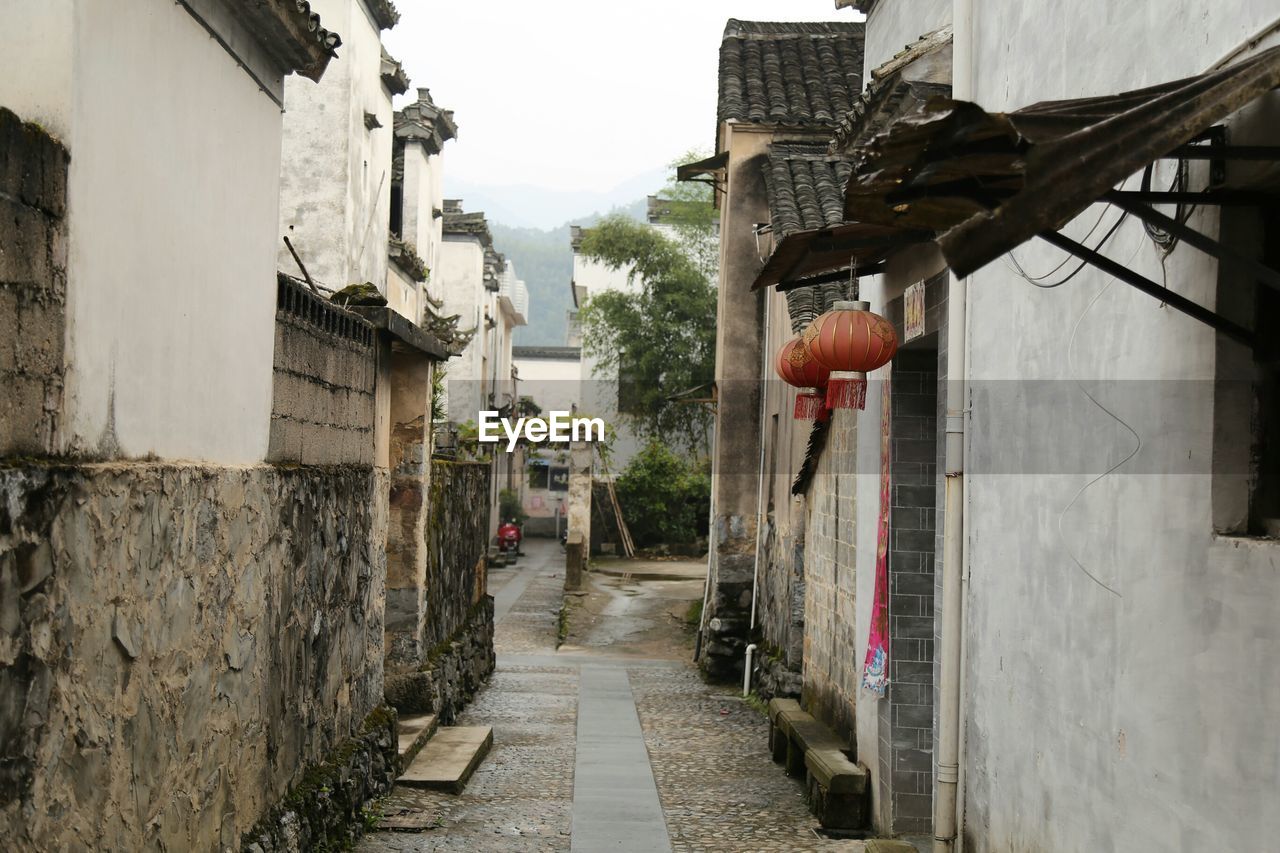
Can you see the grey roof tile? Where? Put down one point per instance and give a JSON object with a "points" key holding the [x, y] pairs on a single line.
{"points": [[789, 74], [805, 185]]}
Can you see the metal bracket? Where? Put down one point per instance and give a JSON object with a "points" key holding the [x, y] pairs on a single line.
{"points": [[1194, 238], [1174, 300]]}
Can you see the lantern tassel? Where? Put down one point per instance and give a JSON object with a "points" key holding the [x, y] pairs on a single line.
{"points": [[810, 406], [847, 390]]}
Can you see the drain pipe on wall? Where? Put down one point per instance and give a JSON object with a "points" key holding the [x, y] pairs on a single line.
{"points": [[760, 482], [946, 803]]}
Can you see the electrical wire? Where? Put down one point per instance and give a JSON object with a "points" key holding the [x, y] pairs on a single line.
{"points": [[1111, 470], [1080, 266], [1011, 260]]}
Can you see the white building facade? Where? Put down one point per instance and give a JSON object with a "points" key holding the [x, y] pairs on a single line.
{"points": [[1119, 674]]}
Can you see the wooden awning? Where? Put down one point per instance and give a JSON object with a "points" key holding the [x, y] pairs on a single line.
{"points": [[801, 257], [988, 182]]}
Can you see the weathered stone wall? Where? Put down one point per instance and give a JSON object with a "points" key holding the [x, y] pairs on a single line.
{"points": [[326, 810], [439, 668], [325, 369], [456, 538], [831, 667], [33, 285], [452, 672], [178, 644], [780, 608]]}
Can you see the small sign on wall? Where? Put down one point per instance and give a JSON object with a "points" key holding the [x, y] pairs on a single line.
{"points": [[913, 311]]}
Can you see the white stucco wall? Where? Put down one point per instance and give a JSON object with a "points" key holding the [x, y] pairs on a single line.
{"points": [[894, 24], [461, 275], [172, 195], [1144, 719], [423, 193], [335, 197], [1137, 721], [599, 392], [38, 44], [553, 383]]}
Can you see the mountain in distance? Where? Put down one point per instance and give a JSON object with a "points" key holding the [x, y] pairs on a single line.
{"points": [[544, 261], [527, 206]]}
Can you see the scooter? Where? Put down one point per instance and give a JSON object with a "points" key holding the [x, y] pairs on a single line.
{"points": [[509, 543]]}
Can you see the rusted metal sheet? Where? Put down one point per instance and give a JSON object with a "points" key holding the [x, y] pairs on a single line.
{"points": [[991, 181]]}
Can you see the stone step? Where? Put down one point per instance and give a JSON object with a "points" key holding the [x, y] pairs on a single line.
{"points": [[889, 845], [412, 732], [833, 770], [838, 791], [449, 758]]}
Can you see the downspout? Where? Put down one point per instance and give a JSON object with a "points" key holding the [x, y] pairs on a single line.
{"points": [[946, 804], [711, 552], [760, 489]]}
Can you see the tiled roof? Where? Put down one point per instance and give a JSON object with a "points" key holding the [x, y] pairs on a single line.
{"points": [[291, 35], [789, 74], [384, 13], [805, 186], [393, 75], [548, 353], [425, 122], [458, 222]]}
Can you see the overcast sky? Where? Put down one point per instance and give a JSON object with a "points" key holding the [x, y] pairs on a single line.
{"points": [[574, 94]]}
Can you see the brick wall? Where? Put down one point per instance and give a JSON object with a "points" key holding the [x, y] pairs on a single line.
{"points": [[33, 286], [906, 718], [325, 367], [831, 669]]}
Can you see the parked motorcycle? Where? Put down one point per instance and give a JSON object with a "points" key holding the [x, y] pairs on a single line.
{"points": [[509, 537]]}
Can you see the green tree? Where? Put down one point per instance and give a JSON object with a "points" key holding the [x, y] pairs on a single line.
{"points": [[661, 340], [664, 496]]}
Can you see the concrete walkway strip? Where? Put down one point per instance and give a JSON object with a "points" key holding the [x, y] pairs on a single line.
{"points": [[511, 591], [615, 800]]}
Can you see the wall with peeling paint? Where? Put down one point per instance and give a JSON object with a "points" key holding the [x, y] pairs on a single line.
{"points": [[177, 643]]}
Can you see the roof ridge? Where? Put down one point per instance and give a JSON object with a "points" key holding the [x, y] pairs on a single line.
{"points": [[737, 28]]}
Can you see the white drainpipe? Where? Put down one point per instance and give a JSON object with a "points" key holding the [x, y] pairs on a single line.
{"points": [[760, 480], [946, 805], [746, 671]]}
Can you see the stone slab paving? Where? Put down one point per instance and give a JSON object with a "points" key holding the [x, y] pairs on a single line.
{"points": [[710, 756], [699, 748]]}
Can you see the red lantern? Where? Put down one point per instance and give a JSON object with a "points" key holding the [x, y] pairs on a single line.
{"points": [[797, 367], [850, 341]]}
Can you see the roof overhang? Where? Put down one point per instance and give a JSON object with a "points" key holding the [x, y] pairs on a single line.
{"points": [[292, 34], [712, 168], [393, 325], [856, 246], [988, 182]]}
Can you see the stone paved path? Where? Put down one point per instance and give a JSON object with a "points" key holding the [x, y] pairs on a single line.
{"points": [[661, 761]]}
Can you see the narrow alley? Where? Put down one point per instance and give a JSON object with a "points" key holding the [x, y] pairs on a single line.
{"points": [[734, 425], [611, 743]]}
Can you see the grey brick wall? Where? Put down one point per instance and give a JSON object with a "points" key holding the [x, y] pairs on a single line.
{"points": [[908, 713], [831, 670], [906, 718], [33, 286], [325, 366]]}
